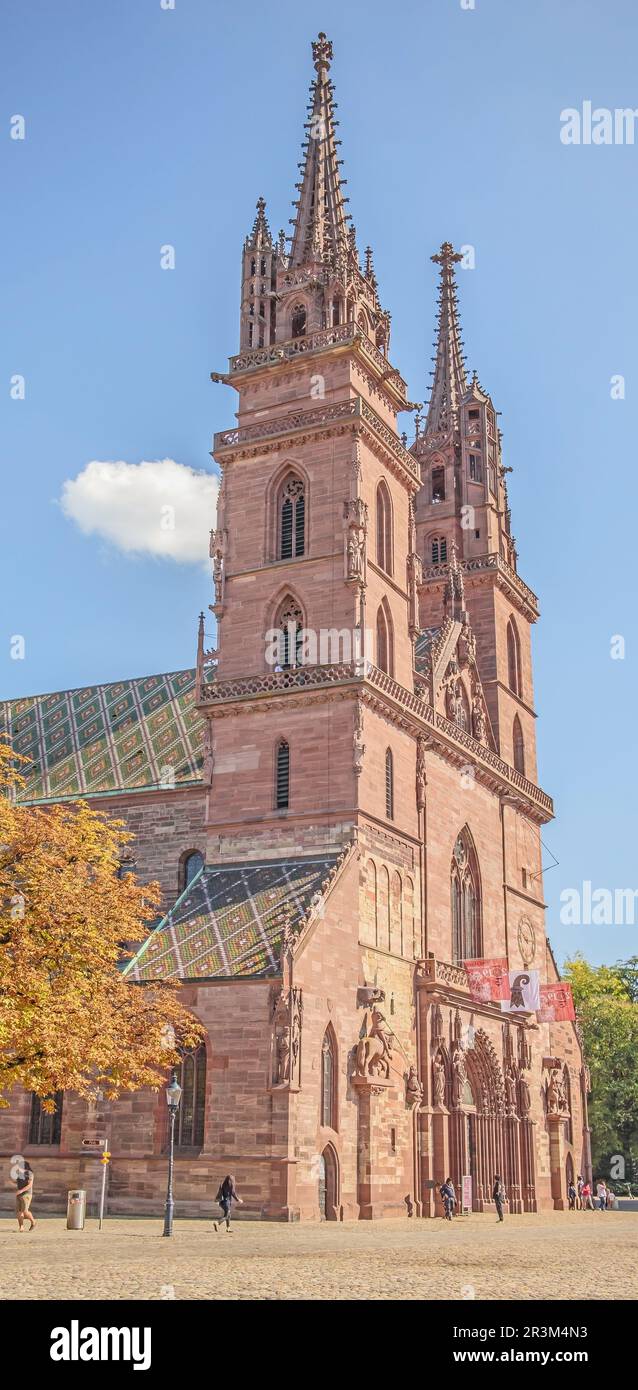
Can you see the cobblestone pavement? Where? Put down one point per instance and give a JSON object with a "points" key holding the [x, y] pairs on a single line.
{"points": [[558, 1256]]}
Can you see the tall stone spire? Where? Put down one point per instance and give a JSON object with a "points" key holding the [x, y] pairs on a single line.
{"points": [[449, 385], [320, 225], [260, 236]]}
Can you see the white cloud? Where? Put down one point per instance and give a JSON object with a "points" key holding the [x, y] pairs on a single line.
{"points": [[150, 508]]}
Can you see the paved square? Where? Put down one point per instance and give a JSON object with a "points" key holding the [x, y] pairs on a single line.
{"points": [[559, 1256]]}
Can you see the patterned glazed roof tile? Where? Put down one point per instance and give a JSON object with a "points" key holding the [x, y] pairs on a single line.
{"points": [[125, 736], [230, 920]]}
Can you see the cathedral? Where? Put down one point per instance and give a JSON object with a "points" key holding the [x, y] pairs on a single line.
{"points": [[340, 800]]}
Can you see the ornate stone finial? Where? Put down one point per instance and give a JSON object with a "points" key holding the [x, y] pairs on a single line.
{"points": [[447, 255], [322, 53]]}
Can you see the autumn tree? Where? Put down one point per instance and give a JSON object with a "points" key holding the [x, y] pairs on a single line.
{"points": [[68, 1018], [606, 999]]}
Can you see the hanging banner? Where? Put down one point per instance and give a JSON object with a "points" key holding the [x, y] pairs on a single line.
{"points": [[556, 1003], [488, 979], [466, 1193], [524, 992]]}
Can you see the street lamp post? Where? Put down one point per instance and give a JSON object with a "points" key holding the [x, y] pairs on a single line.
{"points": [[173, 1096]]}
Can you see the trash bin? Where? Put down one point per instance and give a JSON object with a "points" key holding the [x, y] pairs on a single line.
{"points": [[75, 1210]]}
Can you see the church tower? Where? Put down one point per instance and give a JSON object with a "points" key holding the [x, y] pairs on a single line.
{"points": [[314, 549], [463, 502]]}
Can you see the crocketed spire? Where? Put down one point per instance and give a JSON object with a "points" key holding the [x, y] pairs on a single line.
{"points": [[449, 385], [260, 236], [320, 226]]}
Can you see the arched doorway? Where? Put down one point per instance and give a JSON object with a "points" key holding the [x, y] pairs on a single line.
{"points": [[328, 1184]]}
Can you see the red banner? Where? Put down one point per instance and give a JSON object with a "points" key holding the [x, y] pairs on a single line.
{"points": [[488, 979], [556, 1004]]}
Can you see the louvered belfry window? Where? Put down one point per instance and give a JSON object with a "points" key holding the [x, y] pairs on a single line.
{"points": [[282, 776], [293, 519], [389, 784]]}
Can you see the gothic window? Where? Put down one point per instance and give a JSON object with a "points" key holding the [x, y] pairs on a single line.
{"points": [[253, 266], [298, 323], [292, 519], [389, 784], [189, 1121], [289, 626], [126, 866], [439, 550], [466, 901], [384, 528], [250, 335], [261, 311], [262, 270], [519, 747], [336, 313], [385, 641], [438, 485], [261, 335], [513, 658], [191, 864], [282, 776], [45, 1128], [476, 468], [329, 1080], [362, 322]]}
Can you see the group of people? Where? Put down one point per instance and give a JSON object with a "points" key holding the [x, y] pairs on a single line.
{"points": [[580, 1196], [226, 1195], [448, 1194]]}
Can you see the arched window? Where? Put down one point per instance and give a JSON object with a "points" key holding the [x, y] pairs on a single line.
{"points": [[389, 784], [385, 641], [384, 528], [519, 746], [336, 313], [298, 322], [289, 626], [438, 485], [439, 550], [362, 322], [191, 864], [262, 270], [513, 658], [45, 1128], [253, 266], [292, 518], [282, 776], [189, 1121], [466, 901], [329, 1080]]}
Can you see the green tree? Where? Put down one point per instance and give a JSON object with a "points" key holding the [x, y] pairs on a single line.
{"points": [[606, 1000]]}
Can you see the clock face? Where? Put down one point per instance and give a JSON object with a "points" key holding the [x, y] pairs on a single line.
{"points": [[526, 940]]}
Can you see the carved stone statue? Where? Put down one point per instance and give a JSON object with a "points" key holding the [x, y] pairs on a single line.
{"points": [[358, 746], [413, 1088], [438, 1081], [374, 1049], [420, 773], [283, 1057], [209, 755], [525, 1098], [459, 1074], [453, 701], [555, 1093], [478, 718], [436, 1023]]}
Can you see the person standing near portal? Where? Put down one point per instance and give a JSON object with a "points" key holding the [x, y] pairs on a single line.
{"points": [[498, 1196], [24, 1194]]}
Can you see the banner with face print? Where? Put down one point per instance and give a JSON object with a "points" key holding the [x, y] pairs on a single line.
{"points": [[524, 992], [556, 1003], [488, 979]]}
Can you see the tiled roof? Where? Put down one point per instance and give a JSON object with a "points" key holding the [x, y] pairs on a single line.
{"points": [[127, 736], [424, 643], [230, 920]]}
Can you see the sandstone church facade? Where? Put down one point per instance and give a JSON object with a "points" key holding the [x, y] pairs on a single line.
{"points": [[341, 800]]}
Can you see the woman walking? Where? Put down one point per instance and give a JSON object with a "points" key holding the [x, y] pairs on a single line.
{"points": [[24, 1193], [226, 1195]]}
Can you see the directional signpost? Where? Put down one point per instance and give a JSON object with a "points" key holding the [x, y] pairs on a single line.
{"points": [[100, 1144]]}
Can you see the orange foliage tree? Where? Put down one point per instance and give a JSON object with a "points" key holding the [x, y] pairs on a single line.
{"points": [[68, 1018]]}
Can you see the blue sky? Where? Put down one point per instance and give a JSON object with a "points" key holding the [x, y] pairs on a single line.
{"points": [[147, 126]]}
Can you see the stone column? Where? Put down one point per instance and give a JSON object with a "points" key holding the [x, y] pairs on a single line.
{"points": [[555, 1127]]}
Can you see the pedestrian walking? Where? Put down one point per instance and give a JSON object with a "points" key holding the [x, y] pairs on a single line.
{"points": [[24, 1194], [572, 1196], [579, 1192], [449, 1198], [611, 1197], [226, 1195], [498, 1196], [588, 1204], [601, 1194]]}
